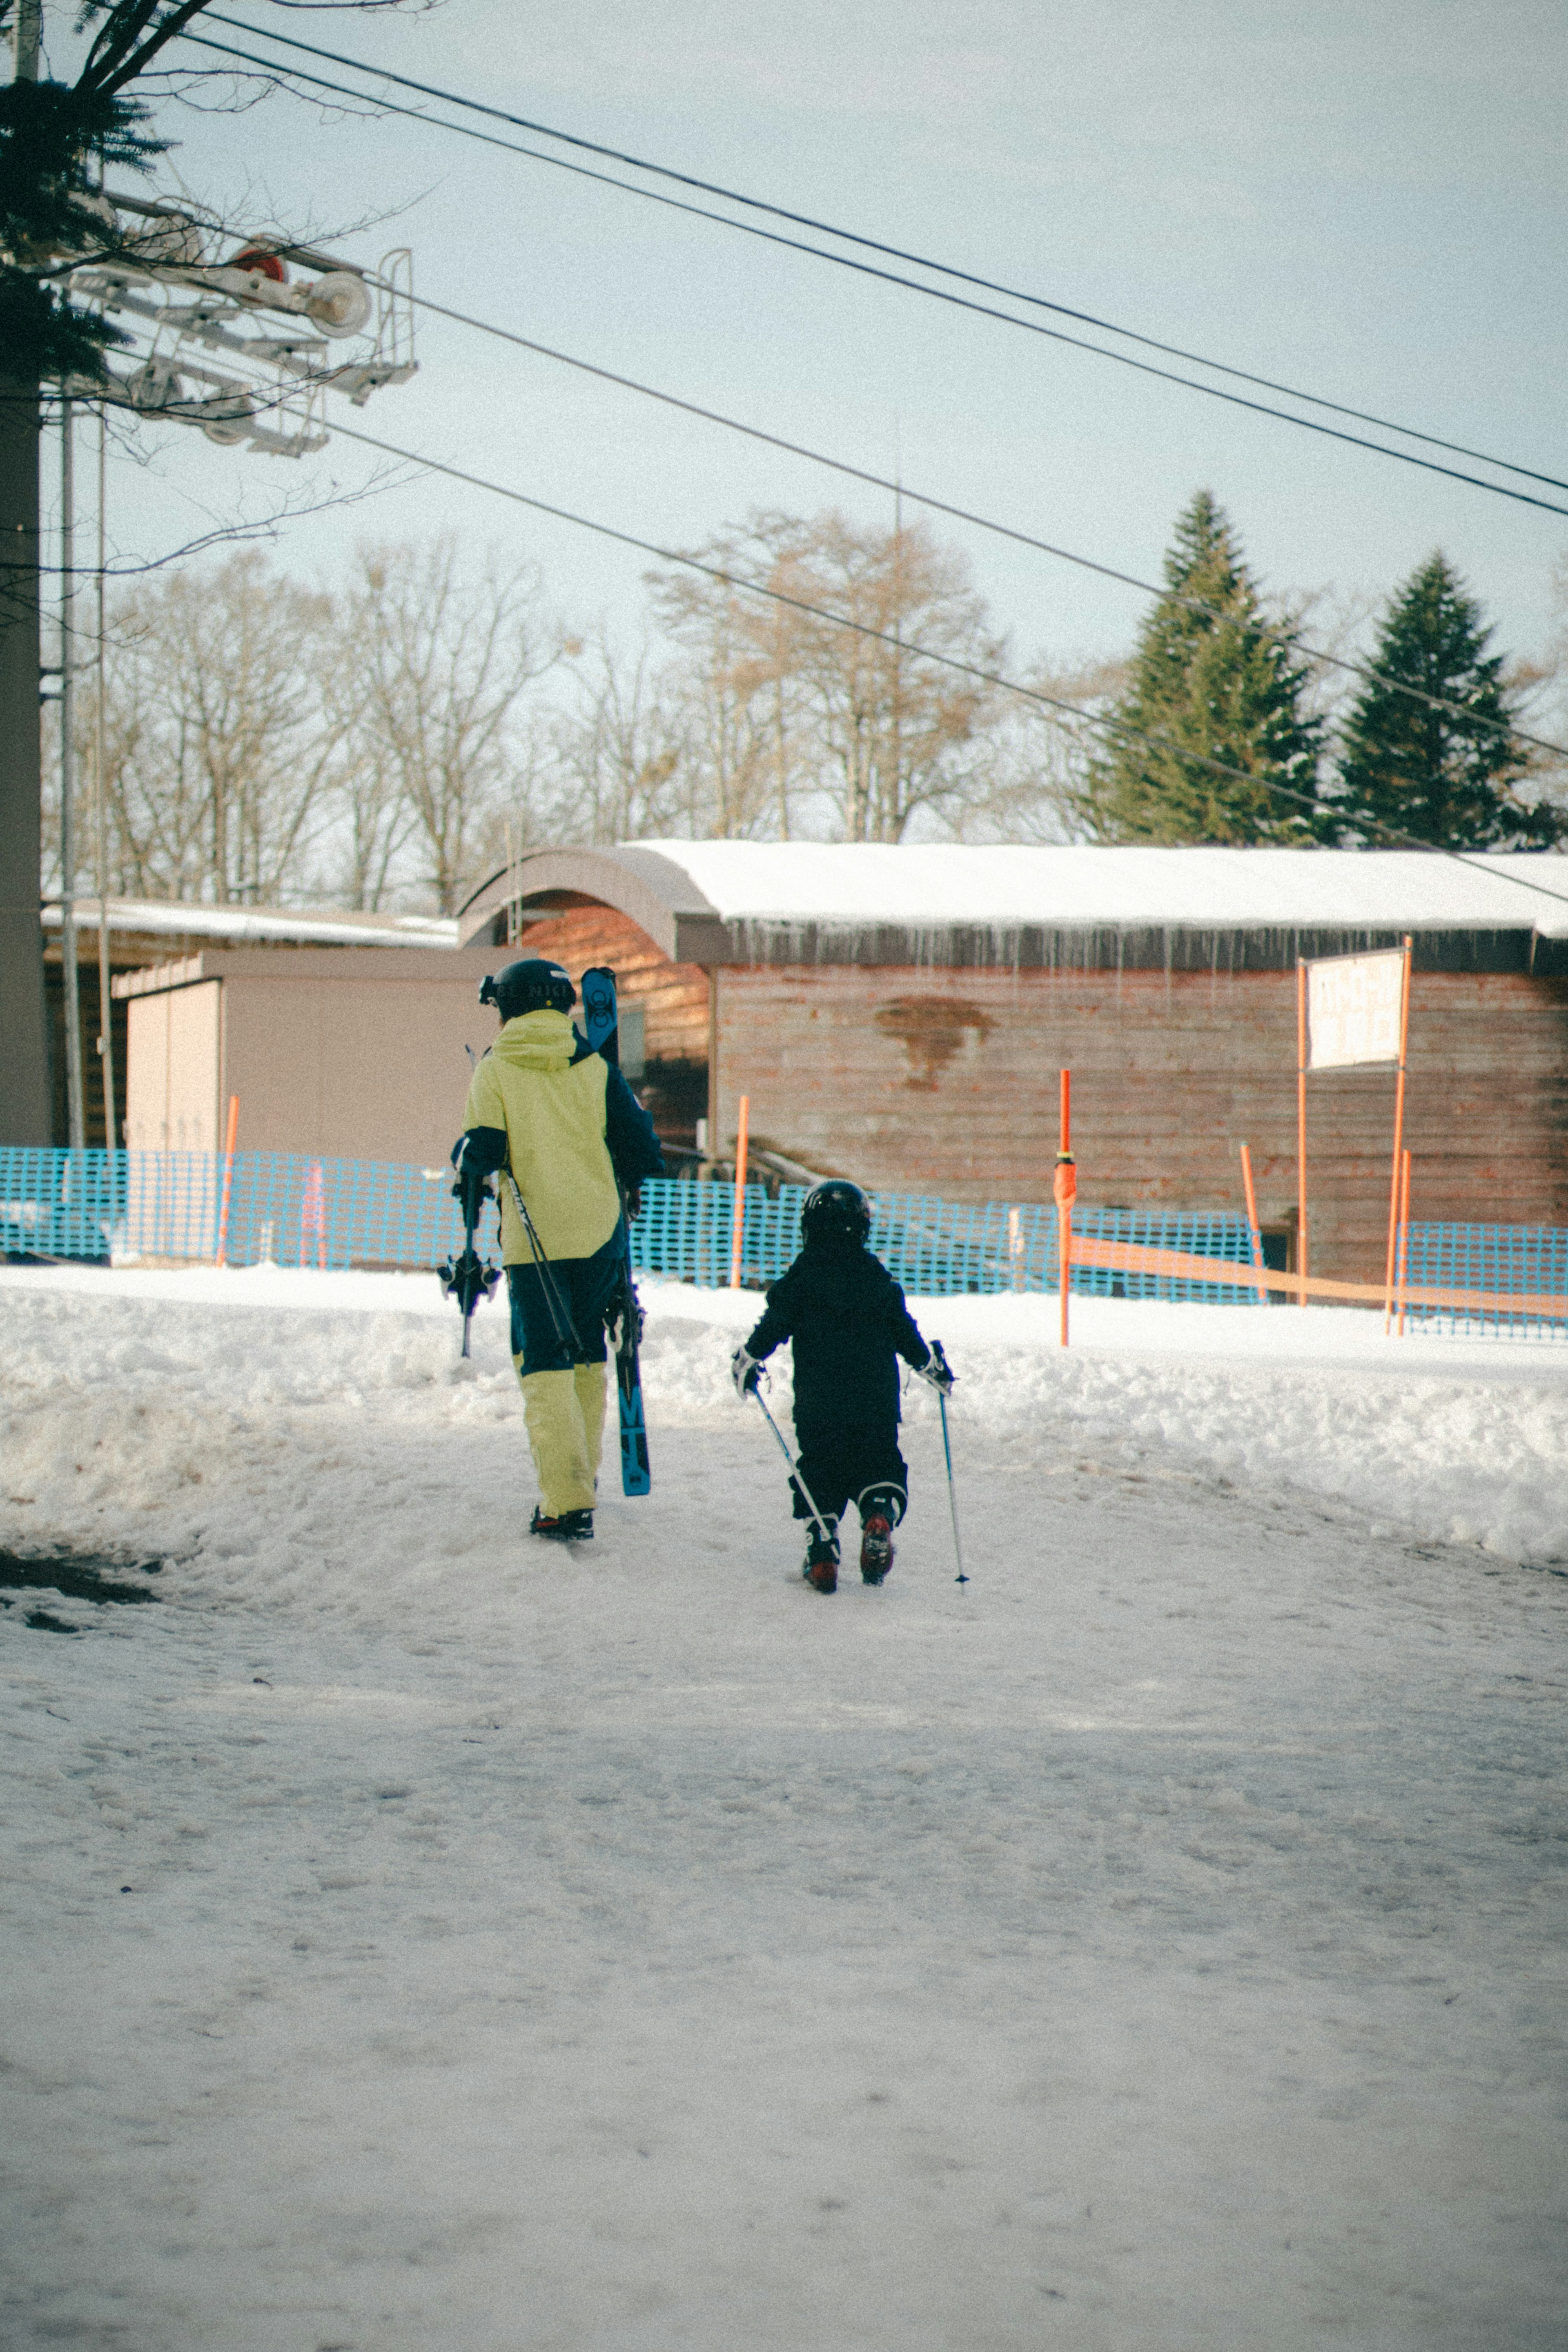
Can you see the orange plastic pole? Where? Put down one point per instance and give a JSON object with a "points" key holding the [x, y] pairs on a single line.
{"points": [[737, 1223], [1301, 1267], [1253, 1218], [1065, 1188], [228, 1180], [1398, 1132], [1403, 1266]]}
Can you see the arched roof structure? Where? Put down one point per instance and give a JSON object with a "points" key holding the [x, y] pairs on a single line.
{"points": [[742, 902], [648, 883]]}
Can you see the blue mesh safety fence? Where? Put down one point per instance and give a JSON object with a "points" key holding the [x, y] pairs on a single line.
{"points": [[1529, 1259], [282, 1208], [934, 1248], [290, 1210]]}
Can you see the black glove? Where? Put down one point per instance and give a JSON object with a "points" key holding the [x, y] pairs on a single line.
{"points": [[744, 1369], [472, 1190], [633, 1202], [935, 1372]]}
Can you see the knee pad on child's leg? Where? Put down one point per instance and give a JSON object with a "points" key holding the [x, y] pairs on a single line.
{"points": [[886, 1501]]}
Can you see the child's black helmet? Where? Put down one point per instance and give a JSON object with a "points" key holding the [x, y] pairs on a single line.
{"points": [[836, 1207], [530, 986]]}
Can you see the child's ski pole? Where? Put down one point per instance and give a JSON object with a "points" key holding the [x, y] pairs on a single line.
{"points": [[823, 1529], [947, 1451]]}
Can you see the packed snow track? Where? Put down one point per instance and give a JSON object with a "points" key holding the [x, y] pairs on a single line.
{"points": [[416, 1937]]}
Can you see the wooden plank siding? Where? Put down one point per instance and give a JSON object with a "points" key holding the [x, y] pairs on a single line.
{"points": [[945, 1082], [673, 998]]}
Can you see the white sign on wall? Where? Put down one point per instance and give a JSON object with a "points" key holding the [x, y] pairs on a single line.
{"points": [[1353, 1006]]}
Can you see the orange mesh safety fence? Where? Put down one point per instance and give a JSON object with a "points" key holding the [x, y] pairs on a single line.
{"points": [[1137, 1258]]}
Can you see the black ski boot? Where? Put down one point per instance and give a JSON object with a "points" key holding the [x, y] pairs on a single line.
{"points": [[572, 1527], [821, 1568], [876, 1547]]}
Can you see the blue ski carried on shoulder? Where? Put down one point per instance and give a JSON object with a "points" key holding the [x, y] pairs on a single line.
{"points": [[601, 1024]]}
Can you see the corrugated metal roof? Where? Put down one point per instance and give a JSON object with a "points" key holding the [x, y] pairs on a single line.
{"points": [[324, 928]]}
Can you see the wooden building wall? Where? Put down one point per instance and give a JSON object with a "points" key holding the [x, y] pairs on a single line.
{"points": [[673, 998], [945, 1082]]}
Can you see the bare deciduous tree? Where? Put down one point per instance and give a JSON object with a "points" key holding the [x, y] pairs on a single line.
{"points": [[1032, 789], [742, 682], [610, 764], [220, 744], [381, 746], [446, 660], [266, 741], [881, 730]]}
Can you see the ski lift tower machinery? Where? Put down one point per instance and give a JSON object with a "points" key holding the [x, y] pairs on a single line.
{"points": [[243, 343], [246, 346]]}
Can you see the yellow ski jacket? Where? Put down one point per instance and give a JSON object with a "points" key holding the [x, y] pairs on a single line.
{"points": [[549, 1098]]}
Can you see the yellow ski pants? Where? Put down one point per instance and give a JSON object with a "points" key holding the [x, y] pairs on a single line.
{"points": [[565, 1417]]}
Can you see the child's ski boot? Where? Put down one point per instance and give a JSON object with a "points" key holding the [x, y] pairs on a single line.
{"points": [[876, 1549], [821, 1568]]}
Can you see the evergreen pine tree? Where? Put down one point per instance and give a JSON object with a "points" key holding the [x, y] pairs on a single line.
{"points": [[1440, 775], [1220, 682]]}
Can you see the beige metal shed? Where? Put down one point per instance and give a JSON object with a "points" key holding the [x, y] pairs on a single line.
{"points": [[340, 1052]]}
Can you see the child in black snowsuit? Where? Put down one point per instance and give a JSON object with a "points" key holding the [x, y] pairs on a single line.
{"points": [[847, 1318]]}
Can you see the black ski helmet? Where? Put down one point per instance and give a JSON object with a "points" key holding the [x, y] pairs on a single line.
{"points": [[532, 985], [836, 1207]]}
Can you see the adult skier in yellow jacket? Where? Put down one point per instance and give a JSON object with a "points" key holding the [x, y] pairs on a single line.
{"points": [[552, 1115]]}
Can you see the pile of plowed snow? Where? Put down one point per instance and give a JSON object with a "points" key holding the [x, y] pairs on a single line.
{"points": [[121, 1386]]}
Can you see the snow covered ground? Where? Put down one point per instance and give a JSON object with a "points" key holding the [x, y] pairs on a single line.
{"points": [[415, 1938]]}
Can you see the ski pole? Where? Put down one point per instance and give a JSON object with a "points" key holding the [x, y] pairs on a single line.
{"points": [[947, 1451], [822, 1528], [565, 1331]]}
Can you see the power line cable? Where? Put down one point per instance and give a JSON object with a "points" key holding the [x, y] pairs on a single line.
{"points": [[904, 646], [843, 261], [894, 252], [942, 505], [818, 457]]}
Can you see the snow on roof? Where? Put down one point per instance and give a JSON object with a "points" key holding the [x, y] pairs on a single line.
{"points": [[328, 928], [923, 887]]}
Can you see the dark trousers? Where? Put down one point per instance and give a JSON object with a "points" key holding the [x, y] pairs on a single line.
{"points": [[584, 1288], [842, 1461]]}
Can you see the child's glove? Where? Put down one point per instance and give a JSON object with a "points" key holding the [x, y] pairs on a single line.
{"points": [[935, 1372], [743, 1371]]}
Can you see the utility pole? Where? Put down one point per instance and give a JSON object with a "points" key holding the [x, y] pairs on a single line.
{"points": [[897, 808], [24, 1094], [208, 353], [29, 36], [75, 1120], [100, 770]]}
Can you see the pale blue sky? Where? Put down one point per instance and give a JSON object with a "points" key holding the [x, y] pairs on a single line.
{"points": [[1369, 201]]}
